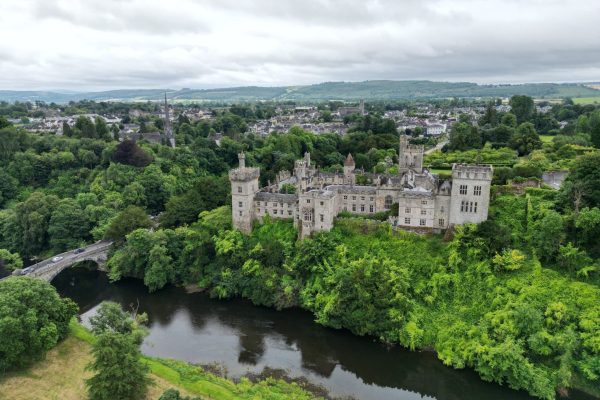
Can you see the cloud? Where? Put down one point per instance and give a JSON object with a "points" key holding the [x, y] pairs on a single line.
{"points": [[106, 44]]}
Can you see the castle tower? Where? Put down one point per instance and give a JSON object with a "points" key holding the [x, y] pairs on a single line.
{"points": [[410, 156], [244, 186], [168, 128], [470, 195], [349, 166]]}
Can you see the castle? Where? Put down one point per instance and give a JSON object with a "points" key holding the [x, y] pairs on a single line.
{"points": [[425, 201]]}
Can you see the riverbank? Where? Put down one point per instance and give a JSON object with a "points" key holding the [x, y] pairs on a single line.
{"points": [[61, 376]]}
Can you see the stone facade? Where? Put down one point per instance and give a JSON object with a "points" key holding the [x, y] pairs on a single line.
{"points": [[424, 201]]}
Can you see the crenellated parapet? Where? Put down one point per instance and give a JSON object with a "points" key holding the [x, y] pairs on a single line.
{"points": [[244, 174]]}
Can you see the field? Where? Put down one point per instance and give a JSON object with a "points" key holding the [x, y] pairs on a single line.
{"points": [[586, 100], [61, 376]]}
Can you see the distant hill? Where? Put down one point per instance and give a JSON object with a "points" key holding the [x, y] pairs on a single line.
{"points": [[351, 91]]}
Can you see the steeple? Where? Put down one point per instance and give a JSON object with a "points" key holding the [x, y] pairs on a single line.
{"points": [[168, 128], [349, 161]]}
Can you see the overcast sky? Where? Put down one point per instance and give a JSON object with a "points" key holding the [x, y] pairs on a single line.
{"points": [[109, 44]]}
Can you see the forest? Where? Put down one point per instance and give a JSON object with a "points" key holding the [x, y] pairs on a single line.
{"points": [[516, 298]]}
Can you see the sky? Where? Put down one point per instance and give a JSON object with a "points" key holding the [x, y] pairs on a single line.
{"points": [[111, 44]]}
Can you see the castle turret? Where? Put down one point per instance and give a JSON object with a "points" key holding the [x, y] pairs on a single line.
{"points": [[244, 186]]}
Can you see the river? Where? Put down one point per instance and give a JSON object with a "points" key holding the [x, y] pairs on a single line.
{"points": [[247, 339]]}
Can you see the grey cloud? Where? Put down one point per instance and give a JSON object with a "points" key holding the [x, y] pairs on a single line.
{"points": [[154, 43]]}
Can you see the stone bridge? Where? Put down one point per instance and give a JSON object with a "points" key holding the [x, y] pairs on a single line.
{"points": [[48, 269]]}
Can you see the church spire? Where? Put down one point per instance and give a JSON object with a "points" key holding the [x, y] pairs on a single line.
{"points": [[168, 128]]}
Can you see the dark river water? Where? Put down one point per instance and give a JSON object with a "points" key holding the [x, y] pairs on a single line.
{"points": [[247, 339]]}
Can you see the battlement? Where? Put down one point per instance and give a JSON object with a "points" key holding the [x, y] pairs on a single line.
{"points": [[470, 171], [244, 174]]}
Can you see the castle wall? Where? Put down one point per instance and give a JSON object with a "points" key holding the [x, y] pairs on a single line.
{"points": [[416, 210]]}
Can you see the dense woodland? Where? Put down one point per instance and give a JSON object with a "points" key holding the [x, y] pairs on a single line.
{"points": [[517, 298]]}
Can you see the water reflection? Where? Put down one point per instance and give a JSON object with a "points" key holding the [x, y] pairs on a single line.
{"points": [[245, 338]]}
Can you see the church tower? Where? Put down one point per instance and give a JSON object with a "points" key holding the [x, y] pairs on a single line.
{"points": [[410, 157], [168, 128], [244, 185]]}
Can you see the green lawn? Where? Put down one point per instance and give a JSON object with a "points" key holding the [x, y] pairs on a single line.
{"points": [[586, 100]]}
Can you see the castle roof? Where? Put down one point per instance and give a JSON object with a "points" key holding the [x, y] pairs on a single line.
{"points": [[349, 161]]}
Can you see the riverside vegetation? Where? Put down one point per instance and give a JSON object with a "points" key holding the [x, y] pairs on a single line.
{"points": [[515, 298]]}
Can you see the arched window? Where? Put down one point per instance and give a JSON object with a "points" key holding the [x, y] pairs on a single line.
{"points": [[388, 202]]}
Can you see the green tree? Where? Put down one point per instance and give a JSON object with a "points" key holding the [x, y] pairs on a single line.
{"points": [[85, 127], [522, 107], [547, 235], [464, 137], [119, 372], [582, 186], [102, 129], [8, 187], [10, 261], [509, 119], [126, 221], [594, 127], [68, 226], [525, 139], [33, 319]]}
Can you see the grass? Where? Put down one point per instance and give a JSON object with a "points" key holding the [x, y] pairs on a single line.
{"points": [[546, 138], [61, 376], [586, 100]]}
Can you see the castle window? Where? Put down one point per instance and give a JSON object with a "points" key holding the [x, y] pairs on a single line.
{"points": [[370, 198], [423, 201], [353, 197], [321, 217], [422, 222], [275, 212], [321, 203], [274, 204], [371, 208], [423, 212], [289, 212], [353, 207], [463, 206], [475, 208], [307, 216], [407, 221], [362, 197], [388, 202], [240, 213], [441, 222], [470, 206], [407, 210], [240, 204], [463, 189], [477, 190], [362, 208], [345, 197], [308, 201], [239, 189]]}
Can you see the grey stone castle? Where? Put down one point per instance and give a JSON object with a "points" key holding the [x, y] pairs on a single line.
{"points": [[425, 201]]}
